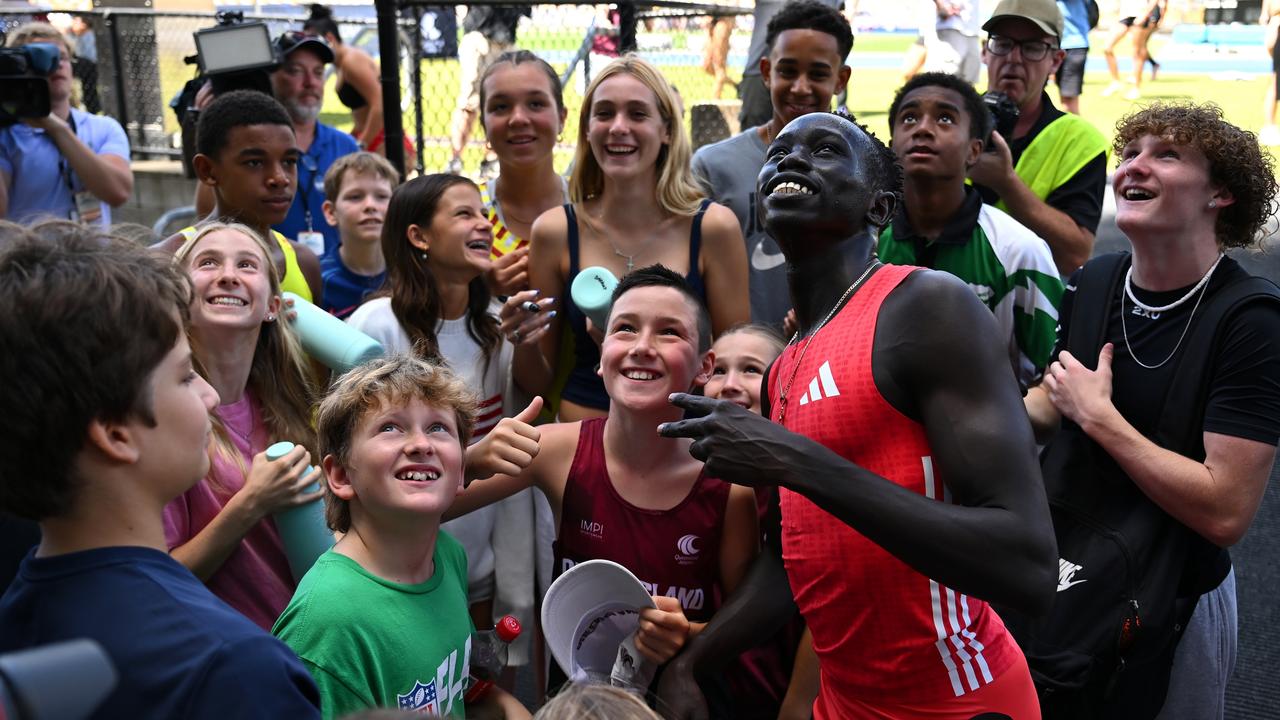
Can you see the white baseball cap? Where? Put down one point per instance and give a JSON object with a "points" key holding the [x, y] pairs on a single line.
{"points": [[589, 612]]}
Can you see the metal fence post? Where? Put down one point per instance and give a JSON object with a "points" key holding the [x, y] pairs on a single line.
{"points": [[389, 59], [117, 66]]}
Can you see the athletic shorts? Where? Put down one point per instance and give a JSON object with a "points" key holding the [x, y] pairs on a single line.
{"points": [[1070, 76], [1152, 20]]}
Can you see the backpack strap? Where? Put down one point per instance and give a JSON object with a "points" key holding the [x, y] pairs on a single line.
{"points": [[1182, 419], [1096, 285]]}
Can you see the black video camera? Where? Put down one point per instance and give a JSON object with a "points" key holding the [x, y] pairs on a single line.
{"points": [[1004, 115], [24, 81], [232, 55]]}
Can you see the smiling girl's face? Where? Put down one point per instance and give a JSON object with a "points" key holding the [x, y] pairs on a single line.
{"points": [[460, 238], [741, 360]]}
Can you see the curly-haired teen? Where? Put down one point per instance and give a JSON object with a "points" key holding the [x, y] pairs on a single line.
{"points": [[105, 420], [1189, 184]]}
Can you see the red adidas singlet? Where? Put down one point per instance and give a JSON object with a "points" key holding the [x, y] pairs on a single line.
{"points": [[673, 552], [884, 633]]}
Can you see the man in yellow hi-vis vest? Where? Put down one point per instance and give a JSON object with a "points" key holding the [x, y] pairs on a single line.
{"points": [[1051, 172]]}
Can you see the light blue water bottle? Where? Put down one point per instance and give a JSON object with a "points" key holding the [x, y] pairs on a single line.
{"points": [[302, 528], [334, 343], [592, 292]]}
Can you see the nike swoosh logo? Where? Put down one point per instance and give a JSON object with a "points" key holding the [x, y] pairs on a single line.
{"points": [[1077, 582], [762, 260]]}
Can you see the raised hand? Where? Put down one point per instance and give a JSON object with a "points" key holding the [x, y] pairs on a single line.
{"points": [[663, 630], [273, 485], [510, 273], [509, 448], [1081, 394], [520, 323]]}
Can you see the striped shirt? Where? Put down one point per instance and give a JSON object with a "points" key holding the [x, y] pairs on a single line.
{"points": [[1009, 268]]}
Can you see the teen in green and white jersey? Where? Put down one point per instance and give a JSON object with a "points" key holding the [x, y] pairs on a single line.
{"points": [[939, 125]]}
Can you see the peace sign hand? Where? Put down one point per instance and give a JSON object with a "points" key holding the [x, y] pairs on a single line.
{"points": [[736, 444]]}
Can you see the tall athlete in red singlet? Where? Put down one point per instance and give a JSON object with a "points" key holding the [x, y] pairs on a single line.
{"points": [[905, 460]]}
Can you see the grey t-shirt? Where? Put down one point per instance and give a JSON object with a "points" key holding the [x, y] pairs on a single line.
{"points": [[727, 171]]}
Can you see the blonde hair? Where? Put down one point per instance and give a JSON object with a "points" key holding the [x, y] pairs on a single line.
{"points": [[677, 191], [595, 701], [366, 388], [280, 378], [34, 32]]}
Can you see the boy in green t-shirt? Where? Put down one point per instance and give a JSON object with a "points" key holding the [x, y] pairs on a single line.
{"points": [[381, 620]]}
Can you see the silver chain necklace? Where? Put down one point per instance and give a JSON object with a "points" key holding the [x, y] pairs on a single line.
{"points": [[795, 369], [1128, 289], [1202, 286]]}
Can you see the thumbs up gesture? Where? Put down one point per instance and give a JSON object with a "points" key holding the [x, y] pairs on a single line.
{"points": [[509, 448]]}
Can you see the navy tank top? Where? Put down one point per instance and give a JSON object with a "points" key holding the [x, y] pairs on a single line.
{"points": [[584, 387]]}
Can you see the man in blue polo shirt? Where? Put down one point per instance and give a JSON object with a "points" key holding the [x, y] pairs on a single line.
{"points": [[299, 86], [69, 164]]}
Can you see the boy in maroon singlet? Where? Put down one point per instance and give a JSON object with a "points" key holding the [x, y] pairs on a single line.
{"points": [[909, 487], [622, 493]]}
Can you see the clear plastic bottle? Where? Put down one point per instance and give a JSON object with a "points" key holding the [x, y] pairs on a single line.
{"points": [[489, 650]]}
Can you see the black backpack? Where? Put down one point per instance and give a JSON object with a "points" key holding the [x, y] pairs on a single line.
{"points": [[1093, 11], [1129, 574]]}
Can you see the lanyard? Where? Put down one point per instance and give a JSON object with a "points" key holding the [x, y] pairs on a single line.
{"points": [[304, 188], [64, 169]]}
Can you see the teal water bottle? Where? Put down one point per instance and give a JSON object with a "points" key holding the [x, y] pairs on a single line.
{"points": [[592, 292], [302, 528], [334, 343]]}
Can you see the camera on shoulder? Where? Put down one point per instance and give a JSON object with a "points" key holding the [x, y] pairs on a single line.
{"points": [[24, 81], [232, 55]]}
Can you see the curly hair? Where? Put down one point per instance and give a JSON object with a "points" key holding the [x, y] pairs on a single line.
{"points": [[1236, 162]]}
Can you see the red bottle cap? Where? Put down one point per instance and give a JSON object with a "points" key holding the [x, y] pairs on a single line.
{"points": [[508, 628]]}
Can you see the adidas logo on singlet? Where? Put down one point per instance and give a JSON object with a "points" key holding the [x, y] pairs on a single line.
{"points": [[820, 387]]}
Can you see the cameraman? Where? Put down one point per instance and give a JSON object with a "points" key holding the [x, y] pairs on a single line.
{"points": [[69, 164], [1051, 173]]}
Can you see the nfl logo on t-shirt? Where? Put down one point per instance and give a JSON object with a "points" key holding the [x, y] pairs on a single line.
{"points": [[421, 697]]}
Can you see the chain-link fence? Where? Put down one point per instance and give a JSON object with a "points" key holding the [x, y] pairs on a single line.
{"points": [[131, 63]]}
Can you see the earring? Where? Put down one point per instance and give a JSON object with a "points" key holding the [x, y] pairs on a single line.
{"points": [[271, 318], [1213, 204], [424, 255]]}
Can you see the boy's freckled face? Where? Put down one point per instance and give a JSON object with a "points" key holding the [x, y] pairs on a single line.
{"points": [[650, 349], [405, 458]]}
